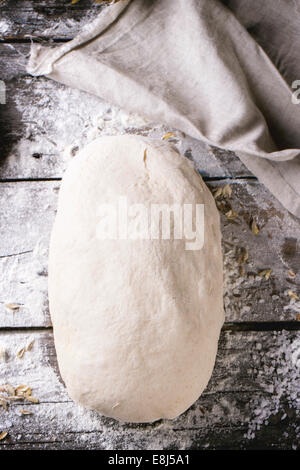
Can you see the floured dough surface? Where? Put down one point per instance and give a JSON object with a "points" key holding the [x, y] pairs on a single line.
{"points": [[136, 322]]}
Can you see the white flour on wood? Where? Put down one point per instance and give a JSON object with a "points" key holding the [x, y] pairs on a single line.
{"points": [[279, 375]]}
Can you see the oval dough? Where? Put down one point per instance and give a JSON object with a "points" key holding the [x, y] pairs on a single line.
{"points": [[136, 322]]}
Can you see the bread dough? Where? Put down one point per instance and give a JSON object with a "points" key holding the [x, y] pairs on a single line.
{"points": [[136, 321]]}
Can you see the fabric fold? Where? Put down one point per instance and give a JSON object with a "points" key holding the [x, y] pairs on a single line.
{"points": [[193, 66]]}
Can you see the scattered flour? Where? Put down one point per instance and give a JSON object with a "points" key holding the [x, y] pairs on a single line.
{"points": [[34, 370], [293, 306], [68, 27], [279, 376], [63, 120], [4, 27]]}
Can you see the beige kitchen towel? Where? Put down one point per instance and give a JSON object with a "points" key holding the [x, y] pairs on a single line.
{"points": [[192, 65]]}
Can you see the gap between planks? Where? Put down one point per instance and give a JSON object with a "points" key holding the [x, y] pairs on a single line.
{"points": [[209, 179], [34, 39], [228, 326]]}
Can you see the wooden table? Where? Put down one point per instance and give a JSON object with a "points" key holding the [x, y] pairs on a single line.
{"points": [[252, 401]]}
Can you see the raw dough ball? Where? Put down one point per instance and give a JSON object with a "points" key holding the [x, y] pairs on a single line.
{"points": [[136, 322]]}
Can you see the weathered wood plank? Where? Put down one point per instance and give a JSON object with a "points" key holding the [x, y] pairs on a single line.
{"points": [[27, 213], [160, 438], [44, 122], [275, 247], [252, 400], [45, 18]]}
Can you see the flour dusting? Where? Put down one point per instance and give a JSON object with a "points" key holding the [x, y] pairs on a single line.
{"points": [[61, 121], [4, 27], [279, 376]]}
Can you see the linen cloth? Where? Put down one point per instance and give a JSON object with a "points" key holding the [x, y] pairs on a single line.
{"points": [[192, 65]]}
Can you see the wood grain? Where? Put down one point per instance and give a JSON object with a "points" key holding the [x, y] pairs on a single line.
{"points": [[219, 419], [51, 19], [27, 212]]}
